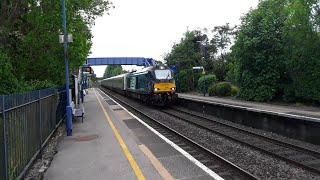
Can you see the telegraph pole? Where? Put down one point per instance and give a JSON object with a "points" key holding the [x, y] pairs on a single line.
{"points": [[65, 47]]}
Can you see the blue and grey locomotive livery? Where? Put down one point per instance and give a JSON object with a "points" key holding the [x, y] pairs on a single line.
{"points": [[153, 85]]}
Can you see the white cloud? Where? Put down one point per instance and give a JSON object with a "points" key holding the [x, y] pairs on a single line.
{"points": [[149, 28]]}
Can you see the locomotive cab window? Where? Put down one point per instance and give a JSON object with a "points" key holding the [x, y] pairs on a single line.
{"points": [[163, 74]]}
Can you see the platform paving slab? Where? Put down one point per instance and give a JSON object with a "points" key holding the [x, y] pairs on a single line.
{"points": [[94, 153], [177, 165], [97, 158]]}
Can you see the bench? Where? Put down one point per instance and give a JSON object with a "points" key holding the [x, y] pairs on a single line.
{"points": [[78, 112]]}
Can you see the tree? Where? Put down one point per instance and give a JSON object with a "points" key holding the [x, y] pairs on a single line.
{"points": [[29, 37], [222, 39], [7, 80], [220, 51], [112, 70], [258, 51], [184, 80], [276, 54], [186, 53], [302, 44]]}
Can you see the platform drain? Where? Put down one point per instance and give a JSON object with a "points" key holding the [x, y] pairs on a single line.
{"points": [[86, 138]]}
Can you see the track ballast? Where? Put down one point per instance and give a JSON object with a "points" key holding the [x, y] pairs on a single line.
{"points": [[210, 159]]}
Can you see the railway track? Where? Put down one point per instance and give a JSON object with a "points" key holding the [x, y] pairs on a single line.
{"points": [[213, 161], [300, 156]]}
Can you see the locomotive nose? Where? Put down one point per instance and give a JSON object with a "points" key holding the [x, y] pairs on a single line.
{"points": [[164, 87]]}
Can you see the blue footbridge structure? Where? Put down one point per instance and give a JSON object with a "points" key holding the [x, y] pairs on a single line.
{"points": [[139, 61], [100, 61]]}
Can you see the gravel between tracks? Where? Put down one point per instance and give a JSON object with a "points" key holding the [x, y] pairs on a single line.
{"points": [[261, 132], [259, 164]]}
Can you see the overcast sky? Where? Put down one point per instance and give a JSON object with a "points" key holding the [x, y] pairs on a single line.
{"points": [[149, 28]]}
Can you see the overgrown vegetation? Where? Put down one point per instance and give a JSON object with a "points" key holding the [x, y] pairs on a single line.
{"points": [[220, 89], [30, 54], [273, 55], [184, 80], [197, 49], [205, 82], [277, 52]]}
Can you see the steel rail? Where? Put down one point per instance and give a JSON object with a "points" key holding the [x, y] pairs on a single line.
{"points": [[277, 142], [237, 168], [270, 139]]}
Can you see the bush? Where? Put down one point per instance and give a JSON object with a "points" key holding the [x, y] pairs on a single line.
{"points": [[184, 81], [205, 82], [37, 85], [220, 89], [234, 90], [9, 83], [258, 51]]}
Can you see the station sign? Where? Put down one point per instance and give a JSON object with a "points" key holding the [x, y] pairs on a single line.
{"points": [[87, 70], [198, 69], [69, 38]]}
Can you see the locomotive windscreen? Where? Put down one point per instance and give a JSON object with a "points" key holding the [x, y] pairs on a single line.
{"points": [[163, 74]]}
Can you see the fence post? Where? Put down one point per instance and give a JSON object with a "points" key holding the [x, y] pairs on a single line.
{"points": [[40, 122], [5, 142]]}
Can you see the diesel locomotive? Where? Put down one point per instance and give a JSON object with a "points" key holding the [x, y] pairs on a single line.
{"points": [[153, 85]]}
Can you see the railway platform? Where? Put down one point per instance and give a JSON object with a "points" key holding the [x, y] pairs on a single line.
{"points": [[300, 123], [293, 111], [112, 144]]}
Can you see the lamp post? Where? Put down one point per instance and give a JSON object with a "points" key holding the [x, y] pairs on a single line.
{"points": [[65, 47], [203, 58]]}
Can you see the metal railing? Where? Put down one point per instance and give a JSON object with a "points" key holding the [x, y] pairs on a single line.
{"points": [[27, 121]]}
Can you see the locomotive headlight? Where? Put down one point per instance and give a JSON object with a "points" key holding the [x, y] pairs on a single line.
{"points": [[173, 89], [156, 89]]}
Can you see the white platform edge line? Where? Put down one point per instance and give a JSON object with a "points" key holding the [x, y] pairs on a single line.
{"points": [[172, 144], [253, 109]]}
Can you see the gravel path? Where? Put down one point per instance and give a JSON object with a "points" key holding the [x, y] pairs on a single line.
{"points": [[40, 166], [259, 164]]}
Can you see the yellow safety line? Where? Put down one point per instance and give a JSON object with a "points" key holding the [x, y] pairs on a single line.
{"points": [[156, 163], [123, 145]]}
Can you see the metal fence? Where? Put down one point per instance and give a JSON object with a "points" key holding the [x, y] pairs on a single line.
{"points": [[27, 121]]}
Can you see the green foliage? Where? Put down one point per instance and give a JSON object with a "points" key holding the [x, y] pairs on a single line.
{"points": [[205, 82], [219, 58], [234, 91], [220, 89], [196, 49], [276, 54], [184, 81], [112, 70], [186, 54], [37, 85], [259, 51], [302, 44], [8, 81], [220, 68], [233, 72], [29, 37]]}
